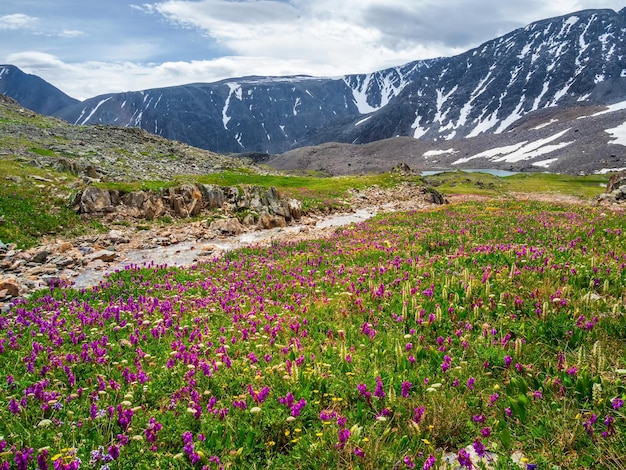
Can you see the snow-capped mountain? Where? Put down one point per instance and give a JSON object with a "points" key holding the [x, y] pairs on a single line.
{"points": [[554, 64], [570, 60], [260, 114]]}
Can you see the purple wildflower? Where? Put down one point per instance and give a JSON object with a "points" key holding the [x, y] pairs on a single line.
{"points": [[379, 392], [479, 448], [418, 414], [430, 462], [470, 383], [464, 459]]}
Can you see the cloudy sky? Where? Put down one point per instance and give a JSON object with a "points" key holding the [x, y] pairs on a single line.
{"points": [[90, 47]]}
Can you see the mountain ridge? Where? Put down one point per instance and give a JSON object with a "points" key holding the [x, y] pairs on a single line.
{"points": [[563, 62]]}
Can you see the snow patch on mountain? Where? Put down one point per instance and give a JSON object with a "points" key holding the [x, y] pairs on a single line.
{"points": [[545, 163], [604, 171], [618, 134], [362, 121], [235, 89], [610, 109], [520, 151], [384, 86], [438, 153], [93, 111]]}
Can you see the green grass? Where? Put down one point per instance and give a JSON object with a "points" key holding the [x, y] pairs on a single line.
{"points": [[460, 182], [33, 208], [43, 152], [582, 186]]}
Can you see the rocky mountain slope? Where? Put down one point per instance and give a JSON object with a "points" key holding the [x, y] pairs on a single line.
{"points": [[578, 140], [101, 152]]}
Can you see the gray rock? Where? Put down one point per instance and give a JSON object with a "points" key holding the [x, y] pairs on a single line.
{"points": [[117, 236], [267, 221], [93, 200], [230, 226], [212, 196], [433, 196], [102, 255], [40, 256]]}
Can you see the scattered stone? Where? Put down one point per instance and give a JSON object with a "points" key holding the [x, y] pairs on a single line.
{"points": [[59, 262], [85, 250], [116, 236], [102, 255], [63, 247], [41, 178], [10, 288], [230, 226], [40, 256]]}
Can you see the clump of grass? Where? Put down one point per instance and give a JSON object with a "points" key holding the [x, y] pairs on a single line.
{"points": [[460, 182], [33, 208]]}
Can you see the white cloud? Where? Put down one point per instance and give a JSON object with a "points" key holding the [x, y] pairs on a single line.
{"points": [[34, 59], [323, 34], [267, 37], [88, 79], [71, 33], [17, 21]]}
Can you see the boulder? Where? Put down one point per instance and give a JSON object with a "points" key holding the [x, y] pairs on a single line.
{"points": [[230, 226], [10, 287], [153, 208], [616, 181], [91, 172], [433, 196], [65, 165], [134, 200], [178, 205], [267, 221], [40, 257], [94, 200], [295, 208], [212, 196]]}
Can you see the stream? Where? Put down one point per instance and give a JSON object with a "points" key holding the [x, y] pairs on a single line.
{"points": [[190, 252]]}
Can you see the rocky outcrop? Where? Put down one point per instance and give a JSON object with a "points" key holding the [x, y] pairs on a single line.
{"points": [[433, 196], [249, 205], [615, 189]]}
